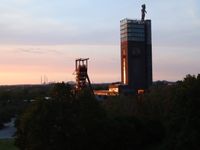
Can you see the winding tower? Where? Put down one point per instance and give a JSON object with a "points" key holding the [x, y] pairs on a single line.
{"points": [[82, 78]]}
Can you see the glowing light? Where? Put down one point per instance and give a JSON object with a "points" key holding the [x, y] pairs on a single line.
{"points": [[141, 91], [124, 70]]}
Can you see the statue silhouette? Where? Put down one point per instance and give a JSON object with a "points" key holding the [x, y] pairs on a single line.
{"points": [[143, 10]]}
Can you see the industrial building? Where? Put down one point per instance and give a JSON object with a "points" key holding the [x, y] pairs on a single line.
{"points": [[136, 55]]}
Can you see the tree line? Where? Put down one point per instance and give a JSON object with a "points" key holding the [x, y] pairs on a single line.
{"points": [[80, 122], [175, 107], [166, 117], [14, 99]]}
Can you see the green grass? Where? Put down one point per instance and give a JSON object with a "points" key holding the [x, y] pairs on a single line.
{"points": [[7, 144]]}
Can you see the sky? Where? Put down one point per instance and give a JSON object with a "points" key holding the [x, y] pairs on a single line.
{"points": [[44, 37]]}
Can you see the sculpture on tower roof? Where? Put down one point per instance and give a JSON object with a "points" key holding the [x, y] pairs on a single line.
{"points": [[143, 11]]}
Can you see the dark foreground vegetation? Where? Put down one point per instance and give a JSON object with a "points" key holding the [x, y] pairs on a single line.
{"points": [[13, 99], [165, 118], [174, 108], [7, 144]]}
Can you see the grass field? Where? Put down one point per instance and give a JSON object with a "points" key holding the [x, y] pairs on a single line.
{"points": [[7, 144]]}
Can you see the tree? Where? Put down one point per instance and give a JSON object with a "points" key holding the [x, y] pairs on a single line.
{"points": [[184, 122], [61, 122]]}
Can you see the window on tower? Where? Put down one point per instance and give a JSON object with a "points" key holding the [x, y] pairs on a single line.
{"points": [[124, 70]]}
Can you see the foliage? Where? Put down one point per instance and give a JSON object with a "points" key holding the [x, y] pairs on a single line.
{"points": [[175, 107], [167, 117], [7, 145], [13, 99], [65, 120], [61, 122], [183, 121]]}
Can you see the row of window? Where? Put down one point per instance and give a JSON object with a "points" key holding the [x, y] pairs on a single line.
{"points": [[141, 39], [132, 35], [125, 21], [132, 26], [132, 30]]}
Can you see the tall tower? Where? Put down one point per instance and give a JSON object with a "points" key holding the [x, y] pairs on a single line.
{"points": [[136, 54], [81, 68]]}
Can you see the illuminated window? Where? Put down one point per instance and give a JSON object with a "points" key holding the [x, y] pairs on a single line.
{"points": [[124, 52], [124, 70], [141, 91]]}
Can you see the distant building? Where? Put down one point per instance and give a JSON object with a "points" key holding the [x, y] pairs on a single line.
{"points": [[136, 54]]}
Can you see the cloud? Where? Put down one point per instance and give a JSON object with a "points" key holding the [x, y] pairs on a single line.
{"points": [[36, 51], [24, 23], [51, 34], [50, 23]]}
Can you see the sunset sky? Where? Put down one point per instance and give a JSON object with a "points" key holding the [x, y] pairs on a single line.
{"points": [[43, 37]]}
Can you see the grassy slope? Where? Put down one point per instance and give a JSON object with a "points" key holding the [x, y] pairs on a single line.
{"points": [[7, 145]]}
